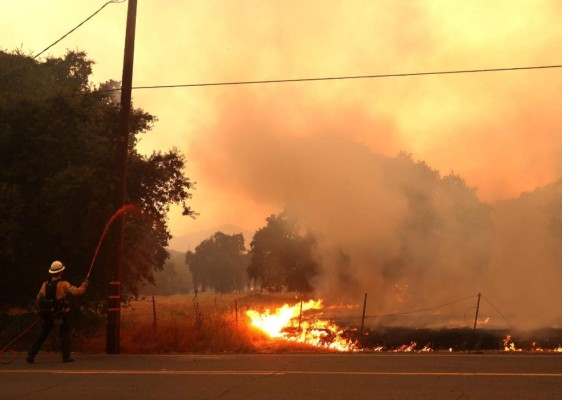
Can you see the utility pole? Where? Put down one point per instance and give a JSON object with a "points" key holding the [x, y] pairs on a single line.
{"points": [[154, 311], [363, 317], [477, 309], [112, 344]]}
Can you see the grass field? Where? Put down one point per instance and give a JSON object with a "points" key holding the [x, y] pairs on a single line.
{"points": [[207, 322], [211, 323]]}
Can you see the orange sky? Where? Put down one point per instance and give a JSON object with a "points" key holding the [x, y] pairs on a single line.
{"points": [[500, 131]]}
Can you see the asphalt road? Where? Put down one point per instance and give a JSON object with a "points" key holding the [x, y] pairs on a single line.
{"points": [[286, 376]]}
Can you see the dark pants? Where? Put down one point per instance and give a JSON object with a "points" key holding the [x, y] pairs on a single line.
{"points": [[48, 324]]}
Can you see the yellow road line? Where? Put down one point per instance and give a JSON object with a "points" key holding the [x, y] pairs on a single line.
{"points": [[358, 373]]}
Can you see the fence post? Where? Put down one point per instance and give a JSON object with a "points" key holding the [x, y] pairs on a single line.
{"points": [[477, 309], [363, 317], [153, 311]]}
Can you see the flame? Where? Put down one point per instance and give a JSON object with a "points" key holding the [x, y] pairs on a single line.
{"points": [[285, 323], [536, 347], [509, 344]]}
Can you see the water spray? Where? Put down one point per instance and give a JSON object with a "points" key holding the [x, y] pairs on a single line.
{"points": [[121, 211], [5, 350]]}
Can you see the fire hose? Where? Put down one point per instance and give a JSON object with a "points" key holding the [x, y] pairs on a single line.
{"points": [[6, 349]]}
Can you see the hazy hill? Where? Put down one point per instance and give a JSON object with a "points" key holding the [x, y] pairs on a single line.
{"points": [[173, 279]]}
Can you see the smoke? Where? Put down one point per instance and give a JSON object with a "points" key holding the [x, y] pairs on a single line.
{"points": [[524, 277], [386, 225], [326, 151], [410, 235]]}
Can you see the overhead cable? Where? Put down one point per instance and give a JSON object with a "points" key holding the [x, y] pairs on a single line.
{"points": [[5, 74], [77, 26], [498, 311], [332, 78], [187, 85]]}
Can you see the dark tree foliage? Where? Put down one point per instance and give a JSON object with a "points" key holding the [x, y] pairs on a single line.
{"points": [[282, 256], [57, 172], [219, 263]]}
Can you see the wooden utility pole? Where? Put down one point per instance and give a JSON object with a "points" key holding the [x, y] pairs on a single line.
{"points": [[112, 344], [477, 309], [154, 311], [236, 311], [363, 316]]}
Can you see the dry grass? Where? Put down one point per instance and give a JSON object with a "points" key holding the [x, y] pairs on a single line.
{"points": [[212, 323], [184, 323]]}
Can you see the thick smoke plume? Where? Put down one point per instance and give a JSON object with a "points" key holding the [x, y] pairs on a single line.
{"points": [[389, 225], [327, 151]]}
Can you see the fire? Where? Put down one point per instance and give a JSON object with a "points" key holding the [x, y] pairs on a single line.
{"points": [[536, 347], [285, 323], [509, 344]]}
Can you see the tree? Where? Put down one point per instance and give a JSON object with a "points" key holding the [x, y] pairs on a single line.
{"points": [[219, 263], [282, 256], [57, 173], [445, 232], [173, 279]]}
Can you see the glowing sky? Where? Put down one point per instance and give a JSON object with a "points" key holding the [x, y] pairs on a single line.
{"points": [[500, 131]]}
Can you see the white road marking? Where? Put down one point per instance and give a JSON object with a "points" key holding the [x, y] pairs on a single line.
{"points": [[357, 373]]}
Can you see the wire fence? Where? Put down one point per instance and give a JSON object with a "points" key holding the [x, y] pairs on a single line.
{"points": [[157, 309], [218, 322]]}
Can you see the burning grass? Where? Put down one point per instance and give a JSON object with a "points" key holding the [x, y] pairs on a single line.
{"points": [[223, 323], [211, 323], [289, 323]]}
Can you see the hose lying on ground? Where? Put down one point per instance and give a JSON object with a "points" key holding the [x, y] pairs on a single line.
{"points": [[3, 359]]}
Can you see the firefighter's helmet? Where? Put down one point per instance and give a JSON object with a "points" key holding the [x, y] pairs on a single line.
{"points": [[56, 267]]}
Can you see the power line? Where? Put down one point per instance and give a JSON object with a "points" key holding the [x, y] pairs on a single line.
{"points": [[498, 311], [9, 72], [331, 78], [77, 26], [396, 75]]}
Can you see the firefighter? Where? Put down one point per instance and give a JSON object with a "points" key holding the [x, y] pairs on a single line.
{"points": [[53, 305]]}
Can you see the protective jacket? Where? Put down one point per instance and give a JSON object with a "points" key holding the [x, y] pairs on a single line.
{"points": [[63, 289]]}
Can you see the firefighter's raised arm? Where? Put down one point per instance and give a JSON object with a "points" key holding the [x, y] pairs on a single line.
{"points": [[78, 291]]}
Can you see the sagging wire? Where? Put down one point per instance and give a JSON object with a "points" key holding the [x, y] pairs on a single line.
{"points": [[168, 309], [311, 79], [413, 311], [175, 312], [4, 75], [77, 26], [498, 311]]}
